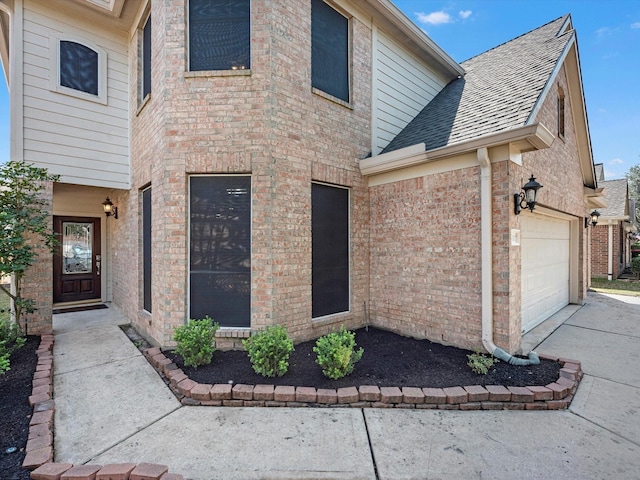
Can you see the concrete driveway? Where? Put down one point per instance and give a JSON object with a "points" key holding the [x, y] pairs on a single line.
{"points": [[598, 437]]}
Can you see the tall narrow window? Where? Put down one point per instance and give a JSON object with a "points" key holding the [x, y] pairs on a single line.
{"points": [[219, 35], [146, 249], [78, 67], [560, 112], [329, 50], [330, 250], [146, 58], [220, 249]]}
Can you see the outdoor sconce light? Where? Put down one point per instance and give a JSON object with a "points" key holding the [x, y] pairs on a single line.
{"points": [[528, 197], [110, 209], [592, 219]]}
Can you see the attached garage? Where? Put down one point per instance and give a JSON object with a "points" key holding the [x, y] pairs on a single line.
{"points": [[546, 251]]}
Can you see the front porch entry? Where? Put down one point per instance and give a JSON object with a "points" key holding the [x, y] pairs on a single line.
{"points": [[77, 260]]}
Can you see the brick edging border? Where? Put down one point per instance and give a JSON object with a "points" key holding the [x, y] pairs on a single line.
{"points": [[554, 396], [39, 448]]}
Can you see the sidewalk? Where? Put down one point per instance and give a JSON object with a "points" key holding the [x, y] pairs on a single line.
{"points": [[112, 407]]}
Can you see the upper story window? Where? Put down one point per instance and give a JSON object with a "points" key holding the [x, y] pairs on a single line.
{"points": [[80, 69], [219, 35], [560, 112], [145, 61], [329, 50]]}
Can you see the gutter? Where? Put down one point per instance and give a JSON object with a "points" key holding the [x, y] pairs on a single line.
{"points": [[486, 232], [528, 137]]}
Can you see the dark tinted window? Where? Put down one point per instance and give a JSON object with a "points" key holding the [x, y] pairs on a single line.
{"points": [[220, 249], [146, 58], [219, 34], [146, 248], [329, 50], [78, 67], [330, 250]]}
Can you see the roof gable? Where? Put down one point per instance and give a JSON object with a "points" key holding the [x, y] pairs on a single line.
{"points": [[501, 90], [616, 193]]}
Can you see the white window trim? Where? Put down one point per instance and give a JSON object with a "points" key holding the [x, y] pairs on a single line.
{"points": [[54, 69]]}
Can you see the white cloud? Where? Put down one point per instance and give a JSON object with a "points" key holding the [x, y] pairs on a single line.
{"points": [[601, 32], [464, 14], [433, 18], [616, 161], [635, 25]]}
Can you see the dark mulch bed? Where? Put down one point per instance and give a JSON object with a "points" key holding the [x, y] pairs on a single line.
{"points": [[15, 412], [389, 360]]}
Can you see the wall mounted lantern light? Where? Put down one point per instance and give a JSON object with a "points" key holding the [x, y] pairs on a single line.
{"points": [[592, 219], [528, 197], [110, 209]]}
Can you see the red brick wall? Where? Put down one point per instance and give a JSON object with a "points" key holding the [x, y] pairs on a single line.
{"points": [[600, 250], [267, 124], [425, 257], [37, 283]]}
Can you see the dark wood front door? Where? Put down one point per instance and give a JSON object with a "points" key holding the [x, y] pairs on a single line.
{"points": [[77, 262]]}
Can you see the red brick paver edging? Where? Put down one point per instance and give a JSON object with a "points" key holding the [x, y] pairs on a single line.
{"points": [[39, 449], [555, 396]]}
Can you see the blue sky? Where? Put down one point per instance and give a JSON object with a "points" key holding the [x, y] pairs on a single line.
{"points": [[608, 41]]}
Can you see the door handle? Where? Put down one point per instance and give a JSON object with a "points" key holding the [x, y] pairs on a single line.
{"points": [[98, 265]]}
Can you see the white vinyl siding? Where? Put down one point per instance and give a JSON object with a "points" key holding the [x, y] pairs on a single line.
{"points": [[403, 85], [87, 143]]}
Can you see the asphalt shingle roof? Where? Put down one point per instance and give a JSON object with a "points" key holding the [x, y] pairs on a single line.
{"points": [[615, 191], [498, 92]]}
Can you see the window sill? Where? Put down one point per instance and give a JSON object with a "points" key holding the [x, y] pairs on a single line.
{"points": [[218, 73], [331, 98], [330, 319], [233, 332], [144, 102]]}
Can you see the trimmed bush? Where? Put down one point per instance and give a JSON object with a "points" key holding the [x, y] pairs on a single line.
{"points": [[337, 354], [269, 351], [196, 341]]}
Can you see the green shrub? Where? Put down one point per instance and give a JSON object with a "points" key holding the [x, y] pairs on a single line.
{"points": [[11, 339], [337, 354], [5, 366], [480, 363], [196, 341], [269, 351], [635, 266]]}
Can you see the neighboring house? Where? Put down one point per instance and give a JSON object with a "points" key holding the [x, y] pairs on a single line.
{"points": [[305, 163], [611, 238]]}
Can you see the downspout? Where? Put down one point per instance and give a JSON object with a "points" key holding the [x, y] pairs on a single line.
{"points": [[610, 254], [486, 233]]}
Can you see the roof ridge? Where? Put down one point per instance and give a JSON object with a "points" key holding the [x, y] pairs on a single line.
{"points": [[558, 35]]}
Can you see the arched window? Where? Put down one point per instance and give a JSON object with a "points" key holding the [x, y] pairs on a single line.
{"points": [[78, 69]]}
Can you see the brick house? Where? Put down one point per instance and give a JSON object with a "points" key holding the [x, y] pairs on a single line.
{"points": [[610, 237], [310, 163]]}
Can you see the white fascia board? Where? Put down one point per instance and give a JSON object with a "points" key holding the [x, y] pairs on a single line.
{"points": [[534, 137], [402, 158], [594, 197]]}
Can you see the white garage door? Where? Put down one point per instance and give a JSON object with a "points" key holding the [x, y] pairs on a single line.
{"points": [[545, 268]]}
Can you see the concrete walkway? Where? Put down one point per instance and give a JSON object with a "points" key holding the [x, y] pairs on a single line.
{"points": [[112, 407]]}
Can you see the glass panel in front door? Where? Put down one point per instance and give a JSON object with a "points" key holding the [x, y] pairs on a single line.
{"points": [[76, 247]]}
